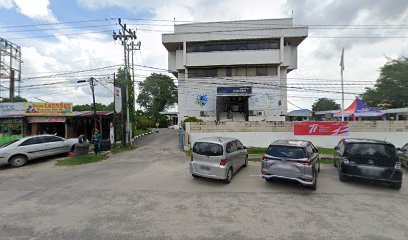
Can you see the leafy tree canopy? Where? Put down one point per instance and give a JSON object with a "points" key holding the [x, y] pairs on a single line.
{"points": [[15, 99], [157, 92], [89, 107], [391, 88], [325, 104]]}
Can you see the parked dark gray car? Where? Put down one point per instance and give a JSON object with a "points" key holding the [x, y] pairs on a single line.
{"points": [[368, 159], [403, 155], [295, 160], [217, 158]]}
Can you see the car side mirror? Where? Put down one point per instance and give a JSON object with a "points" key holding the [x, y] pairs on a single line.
{"points": [[315, 149], [245, 147], [399, 149], [336, 148]]}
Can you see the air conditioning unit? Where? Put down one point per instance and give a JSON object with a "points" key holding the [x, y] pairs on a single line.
{"points": [[204, 114]]}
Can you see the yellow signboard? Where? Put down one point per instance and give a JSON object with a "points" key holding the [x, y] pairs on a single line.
{"points": [[48, 109]]}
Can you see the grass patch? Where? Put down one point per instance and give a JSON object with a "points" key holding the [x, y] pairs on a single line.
{"points": [[328, 151], [326, 161], [189, 152], [141, 131], [119, 149], [256, 150], [78, 160], [258, 159]]}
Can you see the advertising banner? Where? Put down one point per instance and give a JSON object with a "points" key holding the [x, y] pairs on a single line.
{"points": [[8, 109], [45, 119], [321, 128], [48, 109], [118, 100]]}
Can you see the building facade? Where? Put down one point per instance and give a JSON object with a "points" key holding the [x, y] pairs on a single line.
{"points": [[235, 70]]}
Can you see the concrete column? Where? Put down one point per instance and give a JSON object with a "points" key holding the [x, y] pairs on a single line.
{"points": [[282, 47]]}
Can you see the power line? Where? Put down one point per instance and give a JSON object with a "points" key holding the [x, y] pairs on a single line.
{"points": [[55, 23]]}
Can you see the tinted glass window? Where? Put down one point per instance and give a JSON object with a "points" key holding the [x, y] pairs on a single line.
{"points": [[51, 139], [233, 45], [240, 146], [286, 152], [309, 150], [208, 149], [370, 149], [231, 147], [31, 141]]}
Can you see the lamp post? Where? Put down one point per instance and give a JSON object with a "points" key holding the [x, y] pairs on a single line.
{"points": [[92, 83]]}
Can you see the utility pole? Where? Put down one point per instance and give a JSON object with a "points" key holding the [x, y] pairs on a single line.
{"points": [[10, 53], [342, 82], [92, 84], [124, 35]]}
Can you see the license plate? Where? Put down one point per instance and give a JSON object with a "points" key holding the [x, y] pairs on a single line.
{"points": [[205, 168], [371, 172]]}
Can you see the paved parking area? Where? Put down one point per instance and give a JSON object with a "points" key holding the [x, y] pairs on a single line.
{"points": [[149, 194]]}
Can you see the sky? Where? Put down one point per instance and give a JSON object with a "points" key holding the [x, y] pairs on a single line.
{"points": [[63, 41]]}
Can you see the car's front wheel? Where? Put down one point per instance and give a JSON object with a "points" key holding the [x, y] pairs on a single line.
{"points": [[18, 161]]}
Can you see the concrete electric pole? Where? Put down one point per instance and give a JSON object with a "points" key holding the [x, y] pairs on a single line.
{"points": [[124, 35]]}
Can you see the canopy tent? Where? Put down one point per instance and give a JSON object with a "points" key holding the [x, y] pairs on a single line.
{"points": [[359, 109]]}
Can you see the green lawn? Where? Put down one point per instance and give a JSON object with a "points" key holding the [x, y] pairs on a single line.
{"points": [[328, 151], [84, 159], [120, 148]]}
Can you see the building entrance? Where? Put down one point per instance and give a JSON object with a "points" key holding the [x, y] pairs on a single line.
{"points": [[232, 108]]}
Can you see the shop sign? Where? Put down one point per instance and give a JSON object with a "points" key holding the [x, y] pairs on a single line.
{"points": [[8, 109], [234, 90], [118, 100], [46, 119], [53, 109], [321, 128]]}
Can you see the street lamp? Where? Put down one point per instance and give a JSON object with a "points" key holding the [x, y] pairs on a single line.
{"points": [[92, 83]]}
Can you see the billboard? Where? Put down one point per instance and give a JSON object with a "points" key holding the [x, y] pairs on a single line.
{"points": [[48, 109], [118, 100], [12, 108], [321, 128]]}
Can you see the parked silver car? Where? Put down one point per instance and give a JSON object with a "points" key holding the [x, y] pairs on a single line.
{"points": [[296, 160], [18, 152], [218, 158]]}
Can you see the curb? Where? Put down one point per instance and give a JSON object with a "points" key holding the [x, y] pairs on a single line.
{"points": [[141, 135]]}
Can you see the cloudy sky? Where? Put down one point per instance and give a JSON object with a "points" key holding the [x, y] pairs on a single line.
{"points": [[66, 40]]}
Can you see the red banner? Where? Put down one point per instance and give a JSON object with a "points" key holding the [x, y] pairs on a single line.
{"points": [[321, 128]]}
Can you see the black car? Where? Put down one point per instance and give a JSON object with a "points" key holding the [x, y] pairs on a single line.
{"points": [[403, 155], [368, 159]]}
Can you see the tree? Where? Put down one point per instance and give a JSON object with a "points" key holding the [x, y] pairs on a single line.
{"points": [[89, 107], [157, 92], [120, 79], [15, 99], [391, 88], [325, 104]]}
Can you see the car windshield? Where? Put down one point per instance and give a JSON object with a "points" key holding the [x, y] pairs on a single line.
{"points": [[208, 149], [370, 149], [9, 143], [286, 152]]}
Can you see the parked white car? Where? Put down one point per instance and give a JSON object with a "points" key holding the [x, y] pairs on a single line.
{"points": [[18, 152]]}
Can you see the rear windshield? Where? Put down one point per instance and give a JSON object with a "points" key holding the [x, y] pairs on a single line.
{"points": [[208, 149], [286, 152], [371, 149]]}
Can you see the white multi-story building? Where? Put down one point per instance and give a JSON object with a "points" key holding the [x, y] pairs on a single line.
{"points": [[235, 70]]}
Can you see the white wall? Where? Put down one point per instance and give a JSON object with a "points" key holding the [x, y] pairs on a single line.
{"points": [[263, 139], [245, 57]]}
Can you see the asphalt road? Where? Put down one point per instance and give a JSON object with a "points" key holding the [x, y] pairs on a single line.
{"points": [[149, 194]]}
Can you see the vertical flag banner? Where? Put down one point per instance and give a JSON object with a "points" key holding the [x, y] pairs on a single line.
{"points": [[118, 100]]}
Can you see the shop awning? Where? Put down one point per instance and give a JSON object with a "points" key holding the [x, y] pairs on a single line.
{"points": [[46, 119]]}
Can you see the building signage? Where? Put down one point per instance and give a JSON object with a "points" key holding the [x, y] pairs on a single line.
{"points": [[118, 100], [46, 119], [7, 109], [321, 128], [48, 109], [234, 90]]}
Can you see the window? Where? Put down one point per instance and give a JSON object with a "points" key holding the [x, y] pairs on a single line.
{"points": [[370, 149], [51, 139], [240, 146], [231, 147], [208, 149], [261, 71], [286, 152], [32, 141], [235, 45], [309, 150]]}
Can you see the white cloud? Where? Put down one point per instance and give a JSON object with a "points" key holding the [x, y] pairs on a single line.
{"points": [[35, 9]]}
